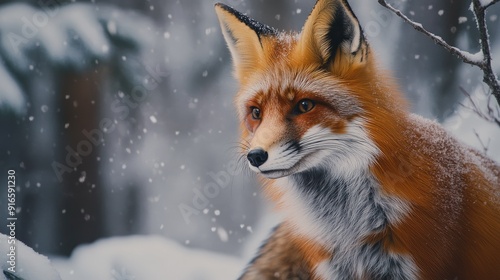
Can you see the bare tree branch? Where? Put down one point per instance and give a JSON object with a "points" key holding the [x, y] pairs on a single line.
{"points": [[491, 115], [481, 59], [463, 55], [490, 4]]}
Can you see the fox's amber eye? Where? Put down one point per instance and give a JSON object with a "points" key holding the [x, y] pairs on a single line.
{"points": [[304, 106], [255, 113]]}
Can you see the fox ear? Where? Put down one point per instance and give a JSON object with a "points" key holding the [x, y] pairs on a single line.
{"points": [[244, 37], [332, 36]]}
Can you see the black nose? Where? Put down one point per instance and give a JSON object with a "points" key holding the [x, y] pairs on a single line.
{"points": [[257, 157]]}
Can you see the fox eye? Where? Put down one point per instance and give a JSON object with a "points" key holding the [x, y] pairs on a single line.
{"points": [[304, 106], [256, 115]]}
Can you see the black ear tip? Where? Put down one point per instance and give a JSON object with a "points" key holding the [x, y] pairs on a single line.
{"points": [[226, 8], [259, 28], [219, 5]]}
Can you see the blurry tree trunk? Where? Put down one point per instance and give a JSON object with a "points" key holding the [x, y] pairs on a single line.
{"points": [[82, 218]]}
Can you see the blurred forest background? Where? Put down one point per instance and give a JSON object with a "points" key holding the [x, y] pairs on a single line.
{"points": [[143, 91]]}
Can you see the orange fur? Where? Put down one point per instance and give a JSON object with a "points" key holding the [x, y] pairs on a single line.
{"points": [[452, 229], [312, 252]]}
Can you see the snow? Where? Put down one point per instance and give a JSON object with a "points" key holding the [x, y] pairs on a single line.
{"points": [[167, 185], [83, 175], [455, 160], [11, 95], [124, 258], [146, 257], [258, 27], [222, 233], [28, 263], [81, 19], [139, 257], [476, 57], [66, 35]]}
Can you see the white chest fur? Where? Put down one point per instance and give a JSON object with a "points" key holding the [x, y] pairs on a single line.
{"points": [[339, 213]]}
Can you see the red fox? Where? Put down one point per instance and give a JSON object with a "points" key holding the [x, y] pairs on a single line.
{"points": [[368, 190]]}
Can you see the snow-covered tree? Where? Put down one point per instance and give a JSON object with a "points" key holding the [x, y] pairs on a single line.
{"points": [[54, 59]]}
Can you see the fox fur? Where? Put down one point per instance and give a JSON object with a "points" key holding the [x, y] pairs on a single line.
{"points": [[368, 190]]}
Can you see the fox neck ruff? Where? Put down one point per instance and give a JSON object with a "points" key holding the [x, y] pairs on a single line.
{"points": [[343, 214]]}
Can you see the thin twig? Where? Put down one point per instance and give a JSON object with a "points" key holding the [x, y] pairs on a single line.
{"points": [[485, 147], [494, 111], [492, 115], [490, 4], [475, 107], [482, 59]]}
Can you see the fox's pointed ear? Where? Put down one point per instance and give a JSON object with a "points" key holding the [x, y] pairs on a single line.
{"points": [[244, 37], [332, 36]]}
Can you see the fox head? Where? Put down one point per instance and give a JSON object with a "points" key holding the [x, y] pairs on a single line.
{"points": [[307, 99]]}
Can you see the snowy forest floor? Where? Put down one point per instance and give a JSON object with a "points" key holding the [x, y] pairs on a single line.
{"points": [[145, 257]]}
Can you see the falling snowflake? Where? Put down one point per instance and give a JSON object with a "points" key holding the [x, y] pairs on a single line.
{"points": [[82, 177], [222, 233]]}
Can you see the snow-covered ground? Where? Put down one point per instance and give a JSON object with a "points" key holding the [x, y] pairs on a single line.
{"points": [[134, 258], [145, 257], [23, 262], [122, 258]]}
